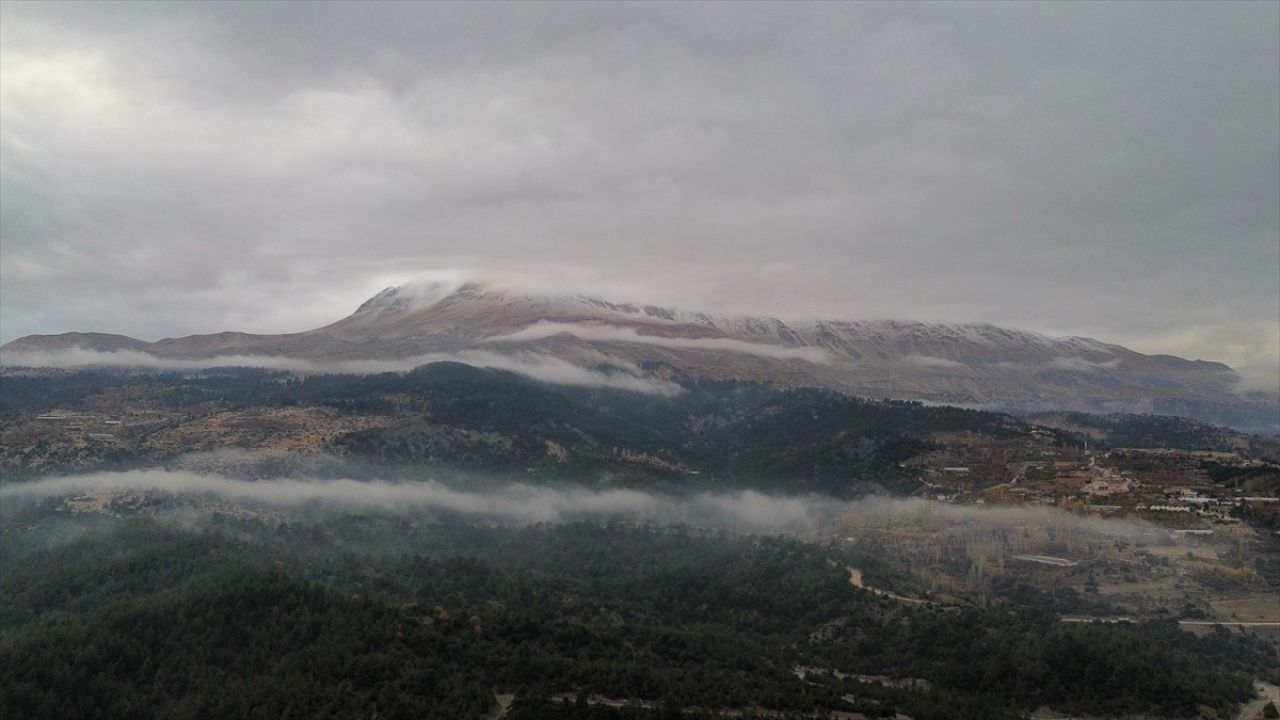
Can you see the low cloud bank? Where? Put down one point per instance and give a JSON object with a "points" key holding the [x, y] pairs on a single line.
{"points": [[517, 502], [1080, 364], [613, 333], [932, 516], [928, 361], [524, 503], [537, 366]]}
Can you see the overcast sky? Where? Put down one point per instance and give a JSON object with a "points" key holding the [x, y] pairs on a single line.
{"points": [[1110, 170]]}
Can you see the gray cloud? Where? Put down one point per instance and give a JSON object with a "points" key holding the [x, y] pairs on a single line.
{"points": [[1083, 169]]}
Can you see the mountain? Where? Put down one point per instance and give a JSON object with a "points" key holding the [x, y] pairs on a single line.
{"points": [[97, 342], [970, 364]]}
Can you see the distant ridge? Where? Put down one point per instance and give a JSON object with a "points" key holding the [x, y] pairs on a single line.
{"points": [[965, 364], [101, 342]]}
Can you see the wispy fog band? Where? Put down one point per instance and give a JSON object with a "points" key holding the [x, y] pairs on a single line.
{"points": [[536, 366], [525, 503], [611, 333], [512, 502]]}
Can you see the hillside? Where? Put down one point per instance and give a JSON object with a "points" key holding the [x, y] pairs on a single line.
{"points": [[454, 415]]}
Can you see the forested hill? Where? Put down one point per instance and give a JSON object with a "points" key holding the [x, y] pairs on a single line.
{"points": [[362, 616], [716, 433]]}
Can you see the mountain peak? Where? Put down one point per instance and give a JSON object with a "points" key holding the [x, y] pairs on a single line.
{"points": [[387, 300], [398, 299]]}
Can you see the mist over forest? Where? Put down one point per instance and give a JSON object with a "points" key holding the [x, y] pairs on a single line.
{"points": [[454, 541], [639, 361], [492, 499]]}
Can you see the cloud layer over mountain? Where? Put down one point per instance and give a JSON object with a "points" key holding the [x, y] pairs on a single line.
{"points": [[541, 367], [1107, 170]]}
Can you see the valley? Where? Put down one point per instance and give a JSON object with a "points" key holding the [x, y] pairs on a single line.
{"points": [[800, 527]]}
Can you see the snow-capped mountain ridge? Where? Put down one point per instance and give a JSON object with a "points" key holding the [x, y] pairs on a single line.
{"points": [[394, 300], [974, 364]]}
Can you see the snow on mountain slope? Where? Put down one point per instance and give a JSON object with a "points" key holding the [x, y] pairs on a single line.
{"points": [[974, 364]]}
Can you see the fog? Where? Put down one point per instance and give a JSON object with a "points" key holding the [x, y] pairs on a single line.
{"points": [[522, 503], [536, 366], [1082, 364], [613, 333], [514, 502], [940, 517]]}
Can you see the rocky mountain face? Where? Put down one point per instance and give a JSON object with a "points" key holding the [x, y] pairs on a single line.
{"points": [[976, 364]]}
